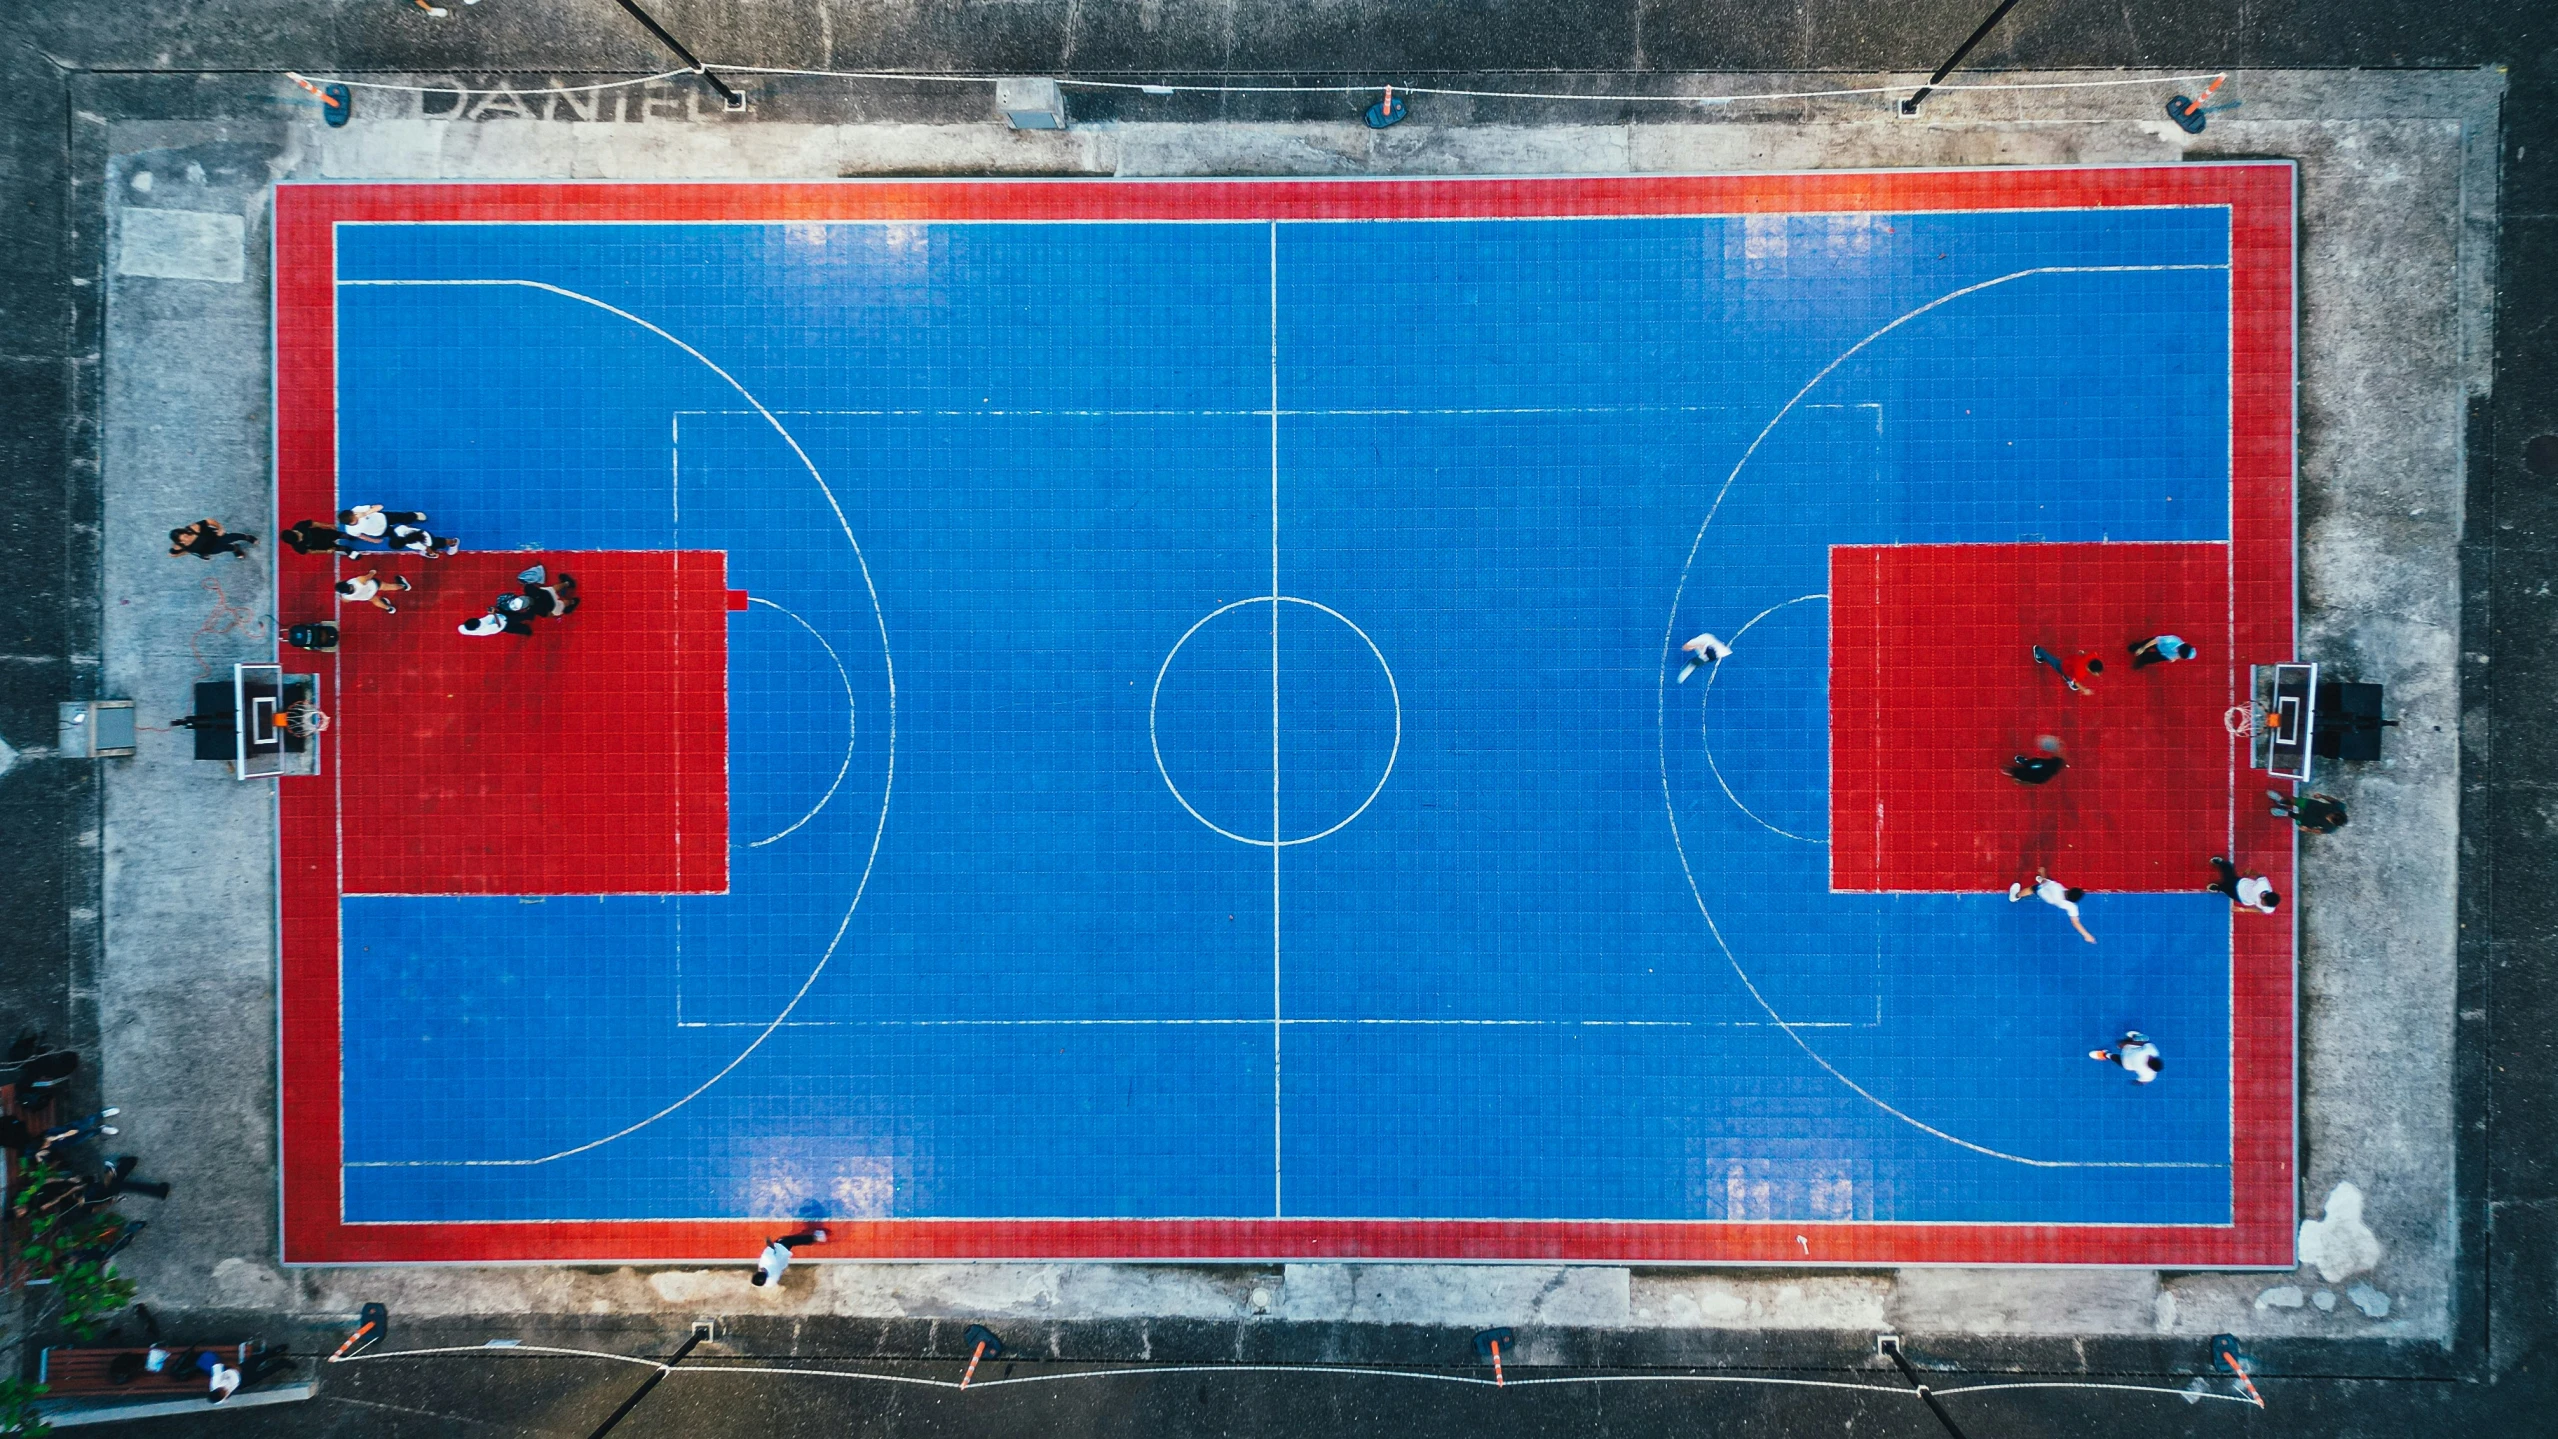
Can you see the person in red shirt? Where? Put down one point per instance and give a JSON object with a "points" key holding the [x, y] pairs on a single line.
{"points": [[2076, 671]]}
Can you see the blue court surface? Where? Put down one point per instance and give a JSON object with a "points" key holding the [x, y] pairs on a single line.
{"points": [[1014, 719]]}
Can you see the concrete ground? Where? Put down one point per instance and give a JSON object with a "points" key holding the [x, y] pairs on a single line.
{"points": [[2421, 1014]]}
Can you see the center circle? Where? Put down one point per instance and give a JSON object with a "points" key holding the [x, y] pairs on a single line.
{"points": [[1275, 721]]}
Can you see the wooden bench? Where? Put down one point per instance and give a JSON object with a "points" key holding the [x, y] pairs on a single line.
{"points": [[69, 1370]]}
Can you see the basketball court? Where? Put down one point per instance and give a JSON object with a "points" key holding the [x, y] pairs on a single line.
{"points": [[1143, 719]]}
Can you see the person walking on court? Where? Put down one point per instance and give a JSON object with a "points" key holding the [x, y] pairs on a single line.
{"points": [[418, 541], [777, 1253], [2246, 891], [2316, 813], [206, 538], [2137, 1055], [542, 595], [1702, 651], [366, 589], [2161, 650], [2075, 671], [2052, 892], [2038, 768], [372, 522], [495, 622], [119, 1180], [310, 537]]}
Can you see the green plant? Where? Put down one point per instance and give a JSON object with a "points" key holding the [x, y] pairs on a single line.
{"points": [[19, 1417], [68, 1242], [70, 1246]]}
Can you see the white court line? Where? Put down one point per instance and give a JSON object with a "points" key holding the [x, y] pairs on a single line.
{"points": [[1278, 1190], [1270, 410], [1704, 729], [888, 784], [1669, 640], [849, 718], [1394, 692], [1172, 1023]]}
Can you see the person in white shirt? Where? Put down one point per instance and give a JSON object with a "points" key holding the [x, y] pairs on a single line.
{"points": [[2137, 1055], [2250, 891], [495, 622], [776, 1256], [418, 542], [2059, 896], [366, 589], [372, 522], [1704, 650]]}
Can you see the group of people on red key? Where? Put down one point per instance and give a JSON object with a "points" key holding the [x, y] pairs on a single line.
{"points": [[2317, 813], [365, 528]]}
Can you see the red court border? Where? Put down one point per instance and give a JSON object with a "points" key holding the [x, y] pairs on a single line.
{"points": [[2261, 200]]}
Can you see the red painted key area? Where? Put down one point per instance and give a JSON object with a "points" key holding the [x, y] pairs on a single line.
{"points": [[1934, 688], [588, 755]]}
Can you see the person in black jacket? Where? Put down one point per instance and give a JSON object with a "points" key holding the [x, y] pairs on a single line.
{"points": [[206, 538]]}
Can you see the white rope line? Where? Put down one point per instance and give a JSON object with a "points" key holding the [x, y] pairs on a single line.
{"points": [[2085, 1384], [1158, 88], [1420, 1376], [552, 89], [452, 1349]]}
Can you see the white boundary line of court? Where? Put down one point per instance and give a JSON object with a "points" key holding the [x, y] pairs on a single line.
{"points": [[1277, 1012], [972, 221]]}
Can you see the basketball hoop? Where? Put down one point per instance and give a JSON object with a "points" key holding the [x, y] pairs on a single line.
{"points": [[304, 719], [2240, 721]]}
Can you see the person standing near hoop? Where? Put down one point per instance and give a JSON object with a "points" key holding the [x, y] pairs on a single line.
{"points": [[418, 541], [2246, 891], [366, 589], [2315, 813], [2161, 650], [2040, 767], [373, 522], [2075, 671]]}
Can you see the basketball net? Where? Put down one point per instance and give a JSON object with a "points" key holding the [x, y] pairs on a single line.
{"points": [[304, 718]]}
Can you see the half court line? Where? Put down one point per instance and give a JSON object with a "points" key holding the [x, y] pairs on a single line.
{"points": [[1278, 1103]]}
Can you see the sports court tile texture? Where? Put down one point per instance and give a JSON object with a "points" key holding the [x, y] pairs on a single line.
{"points": [[1141, 719]]}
